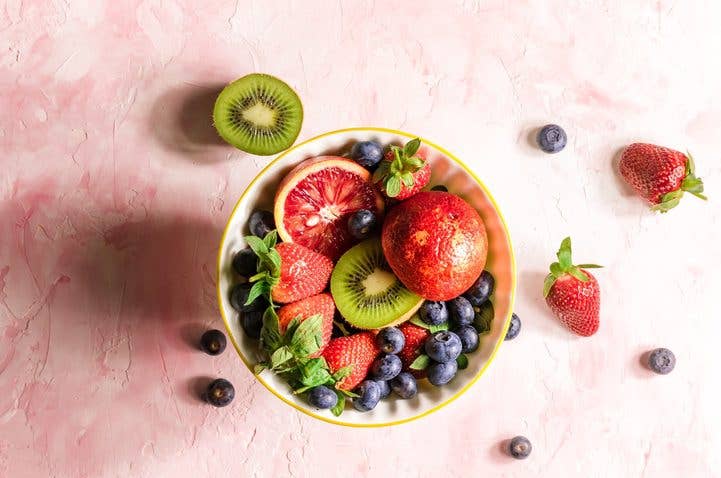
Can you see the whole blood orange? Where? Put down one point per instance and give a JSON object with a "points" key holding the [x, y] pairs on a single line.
{"points": [[436, 244], [315, 199]]}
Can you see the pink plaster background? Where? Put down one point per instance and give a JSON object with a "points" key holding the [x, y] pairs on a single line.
{"points": [[114, 191]]}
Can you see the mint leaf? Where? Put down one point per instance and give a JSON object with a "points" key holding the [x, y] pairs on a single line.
{"points": [[257, 245], [308, 336], [462, 362], [437, 328], [348, 393], [408, 179], [270, 338], [272, 260], [393, 186], [338, 409], [271, 239], [259, 367], [412, 147], [416, 320], [290, 329], [483, 318], [421, 362], [342, 373], [314, 372], [259, 288], [280, 357]]}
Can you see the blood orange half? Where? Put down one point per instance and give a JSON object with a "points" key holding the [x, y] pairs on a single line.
{"points": [[315, 199]]}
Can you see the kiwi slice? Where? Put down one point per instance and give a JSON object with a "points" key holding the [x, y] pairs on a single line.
{"points": [[365, 290], [258, 114]]}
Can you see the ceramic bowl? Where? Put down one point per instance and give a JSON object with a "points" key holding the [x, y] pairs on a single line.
{"points": [[447, 170]]}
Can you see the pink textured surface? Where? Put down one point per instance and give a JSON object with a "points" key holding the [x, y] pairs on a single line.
{"points": [[114, 191]]}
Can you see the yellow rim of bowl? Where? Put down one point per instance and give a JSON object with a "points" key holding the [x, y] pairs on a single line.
{"points": [[495, 348]]}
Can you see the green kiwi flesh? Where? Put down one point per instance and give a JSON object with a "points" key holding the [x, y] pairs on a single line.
{"points": [[258, 114], [367, 293]]}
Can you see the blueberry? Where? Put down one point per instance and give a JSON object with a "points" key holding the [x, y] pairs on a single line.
{"points": [[213, 342], [361, 223], [261, 223], [404, 385], [252, 322], [443, 346], [514, 329], [367, 153], [662, 361], [386, 367], [370, 395], [322, 397], [481, 289], [439, 187], [461, 311], [239, 296], [551, 138], [520, 447], [245, 262], [220, 392], [433, 313], [391, 340], [384, 388], [441, 373], [469, 338]]}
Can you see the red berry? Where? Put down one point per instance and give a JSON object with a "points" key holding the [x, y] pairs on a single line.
{"points": [[317, 304], [415, 339], [358, 351], [303, 273]]}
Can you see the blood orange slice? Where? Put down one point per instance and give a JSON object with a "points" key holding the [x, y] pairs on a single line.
{"points": [[314, 200]]}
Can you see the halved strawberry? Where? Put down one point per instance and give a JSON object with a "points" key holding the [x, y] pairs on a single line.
{"points": [[321, 304], [403, 171], [358, 351], [415, 339]]}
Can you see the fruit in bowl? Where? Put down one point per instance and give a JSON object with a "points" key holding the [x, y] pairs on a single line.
{"points": [[364, 251]]}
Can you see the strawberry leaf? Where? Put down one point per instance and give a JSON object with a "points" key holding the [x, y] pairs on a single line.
{"points": [[407, 179], [338, 409], [342, 373], [589, 266], [564, 254], [382, 171], [421, 362], [415, 163], [578, 274], [462, 362], [556, 269], [308, 337], [411, 147], [393, 186], [548, 283]]}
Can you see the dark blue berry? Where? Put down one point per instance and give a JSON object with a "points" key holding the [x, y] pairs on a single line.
{"points": [[252, 322], [404, 385], [239, 296], [370, 395], [461, 311], [433, 313], [367, 153], [384, 388], [662, 361], [481, 289], [391, 340], [551, 138], [514, 329], [245, 262], [441, 373], [439, 187], [213, 342], [261, 223], [483, 320], [361, 223], [220, 392], [520, 447], [322, 397], [443, 346], [386, 367], [469, 338]]}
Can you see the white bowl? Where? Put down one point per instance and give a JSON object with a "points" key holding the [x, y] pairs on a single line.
{"points": [[447, 170]]}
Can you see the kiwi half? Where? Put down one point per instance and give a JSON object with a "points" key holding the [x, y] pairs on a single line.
{"points": [[258, 114], [365, 290]]}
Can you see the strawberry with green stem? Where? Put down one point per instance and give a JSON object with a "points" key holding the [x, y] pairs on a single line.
{"points": [[572, 293], [403, 171]]}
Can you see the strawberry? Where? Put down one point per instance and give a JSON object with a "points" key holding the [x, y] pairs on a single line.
{"points": [[415, 339], [402, 172], [287, 272], [660, 175], [572, 293], [321, 304], [358, 351]]}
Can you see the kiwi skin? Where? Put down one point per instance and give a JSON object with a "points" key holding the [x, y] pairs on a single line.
{"points": [[274, 95], [346, 286]]}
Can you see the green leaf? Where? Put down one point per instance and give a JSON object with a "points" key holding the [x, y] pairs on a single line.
{"points": [[257, 245], [259, 367], [290, 329], [589, 266], [342, 326], [578, 274], [280, 357], [270, 337], [416, 320], [462, 362], [393, 186], [408, 179], [411, 147], [314, 372], [382, 171], [338, 409], [271, 239], [483, 318], [273, 262], [396, 166], [308, 337], [421, 362], [348, 393], [556, 269], [415, 163], [690, 164], [548, 283], [437, 328], [564, 254], [258, 289], [342, 373]]}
